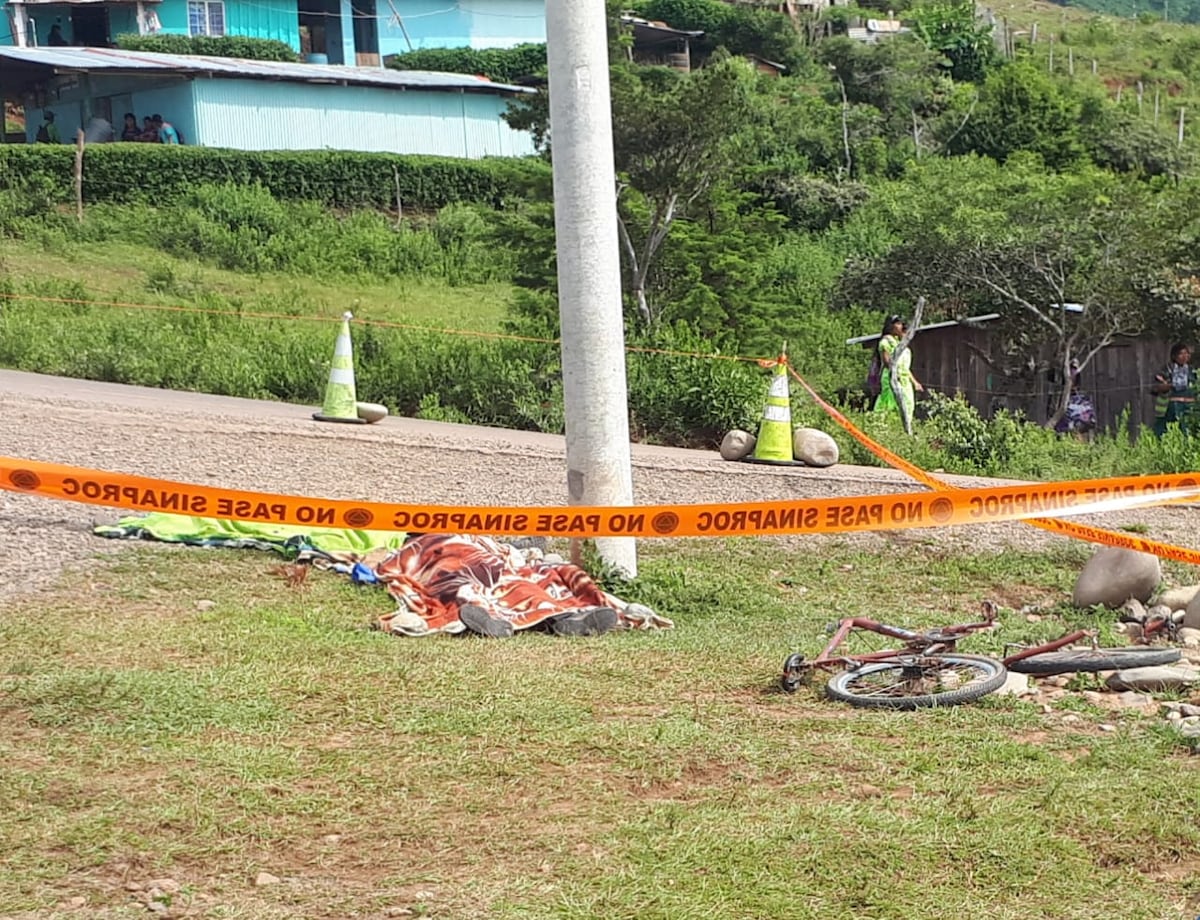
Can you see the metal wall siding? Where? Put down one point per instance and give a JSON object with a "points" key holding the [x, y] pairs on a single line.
{"points": [[473, 23], [256, 115], [276, 19]]}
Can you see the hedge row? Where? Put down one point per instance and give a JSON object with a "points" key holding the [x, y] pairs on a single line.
{"points": [[148, 172], [504, 65], [227, 46]]}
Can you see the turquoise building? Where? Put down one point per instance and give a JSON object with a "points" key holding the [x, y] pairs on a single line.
{"points": [[265, 105], [351, 32]]}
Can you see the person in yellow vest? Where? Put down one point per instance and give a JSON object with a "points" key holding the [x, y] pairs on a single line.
{"points": [[1174, 390]]}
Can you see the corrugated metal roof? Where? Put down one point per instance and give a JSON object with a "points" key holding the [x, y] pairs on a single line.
{"points": [[968, 321], [112, 60]]}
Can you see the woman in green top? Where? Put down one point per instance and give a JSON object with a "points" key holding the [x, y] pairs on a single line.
{"points": [[893, 330]]}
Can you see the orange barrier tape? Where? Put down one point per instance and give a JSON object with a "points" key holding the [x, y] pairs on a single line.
{"points": [[829, 515], [1066, 528]]}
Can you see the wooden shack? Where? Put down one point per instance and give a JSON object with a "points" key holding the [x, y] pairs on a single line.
{"points": [[951, 357]]}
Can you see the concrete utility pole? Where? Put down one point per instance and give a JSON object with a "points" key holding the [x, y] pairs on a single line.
{"points": [[589, 266]]}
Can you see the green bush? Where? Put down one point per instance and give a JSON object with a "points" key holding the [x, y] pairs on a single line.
{"points": [[226, 46], [161, 174], [504, 65], [244, 228]]}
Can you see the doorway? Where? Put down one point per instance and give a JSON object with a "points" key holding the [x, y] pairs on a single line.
{"points": [[89, 26]]}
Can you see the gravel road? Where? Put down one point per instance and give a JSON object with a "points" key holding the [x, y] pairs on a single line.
{"points": [[275, 447]]}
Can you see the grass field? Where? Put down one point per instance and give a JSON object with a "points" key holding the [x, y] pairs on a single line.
{"points": [[651, 775], [136, 274]]}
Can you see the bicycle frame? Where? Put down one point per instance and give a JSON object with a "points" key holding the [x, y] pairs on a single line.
{"points": [[929, 642]]}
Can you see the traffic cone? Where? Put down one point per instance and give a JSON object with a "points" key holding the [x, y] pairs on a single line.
{"points": [[340, 404], [774, 444]]}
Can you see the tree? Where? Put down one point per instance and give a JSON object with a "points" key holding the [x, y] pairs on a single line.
{"points": [[952, 30], [905, 82], [674, 137], [1061, 258], [1022, 109]]}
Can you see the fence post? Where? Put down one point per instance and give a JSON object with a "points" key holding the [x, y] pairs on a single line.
{"points": [[79, 175], [1180, 126], [1071, 62], [1156, 105], [1140, 90]]}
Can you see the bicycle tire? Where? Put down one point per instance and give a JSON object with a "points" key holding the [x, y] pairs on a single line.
{"points": [[905, 684], [1100, 659]]}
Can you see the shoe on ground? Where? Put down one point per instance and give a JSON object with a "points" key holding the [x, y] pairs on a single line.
{"points": [[482, 623], [590, 621]]}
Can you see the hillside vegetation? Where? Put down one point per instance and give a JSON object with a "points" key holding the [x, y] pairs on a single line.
{"points": [[952, 162]]}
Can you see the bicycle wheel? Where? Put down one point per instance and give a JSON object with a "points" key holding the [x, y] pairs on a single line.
{"points": [[793, 673], [918, 681], [1098, 659]]}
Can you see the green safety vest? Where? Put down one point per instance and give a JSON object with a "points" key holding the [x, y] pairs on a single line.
{"points": [[1162, 401]]}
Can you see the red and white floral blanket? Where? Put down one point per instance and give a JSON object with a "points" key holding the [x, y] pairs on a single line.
{"points": [[433, 575]]}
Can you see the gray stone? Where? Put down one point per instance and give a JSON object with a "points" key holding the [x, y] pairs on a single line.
{"points": [[737, 444], [1134, 610], [1159, 612], [1152, 679], [1133, 698], [814, 447], [1113, 575], [1189, 637], [205, 605], [1191, 613], [1132, 630], [371, 412], [1190, 729], [1107, 727], [266, 878], [1178, 598]]}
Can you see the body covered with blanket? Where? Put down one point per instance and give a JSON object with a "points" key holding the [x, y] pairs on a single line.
{"points": [[452, 583]]}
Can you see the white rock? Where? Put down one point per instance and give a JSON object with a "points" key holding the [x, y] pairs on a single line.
{"points": [[1070, 718], [1178, 598], [737, 444], [814, 447], [1190, 729], [371, 412], [205, 605], [1174, 716], [266, 878], [1107, 727], [1152, 679], [1015, 685], [1113, 575], [168, 885], [1095, 697]]}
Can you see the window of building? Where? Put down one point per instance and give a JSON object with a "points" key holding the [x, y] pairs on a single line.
{"points": [[206, 17]]}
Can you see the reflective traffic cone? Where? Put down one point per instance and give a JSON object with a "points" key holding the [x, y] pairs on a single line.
{"points": [[774, 444], [340, 405]]}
